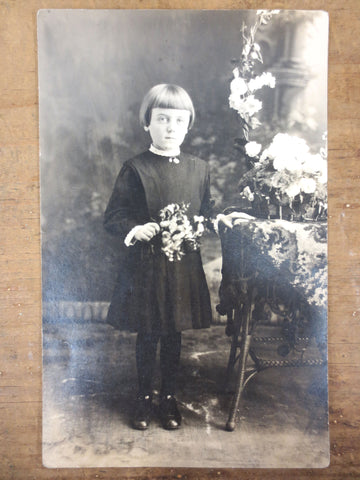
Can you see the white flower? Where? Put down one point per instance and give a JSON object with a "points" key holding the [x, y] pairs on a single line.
{"points": [[171, 207], [314, 163], [308, 185], [280, 162], [254, 84], [234, 101], [270, 80], [266, 79], [200, 229], [294, 164], [252, 149], [238, 86], [252, 105], [256, 55], [293, 144], [292, 190], [287, 152]]}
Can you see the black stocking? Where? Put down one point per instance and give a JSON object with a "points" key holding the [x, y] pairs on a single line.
{"points": [[145, 361], [169, 362]]}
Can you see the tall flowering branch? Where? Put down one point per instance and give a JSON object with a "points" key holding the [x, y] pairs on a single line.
{"points": [[246, 83]]}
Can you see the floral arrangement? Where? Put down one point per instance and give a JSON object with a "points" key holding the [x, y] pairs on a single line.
{"points": [[288, 178], [285, 178], [178, 234]]}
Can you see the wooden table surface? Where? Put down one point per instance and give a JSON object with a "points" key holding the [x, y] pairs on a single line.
{"points": [[20, 320]]}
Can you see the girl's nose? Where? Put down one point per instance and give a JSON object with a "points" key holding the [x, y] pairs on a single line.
{"points": [[171, 126]]}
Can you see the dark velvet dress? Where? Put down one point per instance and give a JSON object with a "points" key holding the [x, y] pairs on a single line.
{"points": [[153, 294]]}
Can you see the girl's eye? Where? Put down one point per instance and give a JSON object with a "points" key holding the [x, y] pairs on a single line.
{"points": [[162, 119]]}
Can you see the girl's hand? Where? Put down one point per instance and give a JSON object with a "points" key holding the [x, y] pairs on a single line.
{"points": [[230, 219], [146, 232]]}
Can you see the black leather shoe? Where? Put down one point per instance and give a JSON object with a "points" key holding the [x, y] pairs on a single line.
{"points": [[169, 414], [143, 412]]}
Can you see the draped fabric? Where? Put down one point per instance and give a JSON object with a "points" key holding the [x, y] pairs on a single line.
{"points": [[294, 251], [281, 268], [151, 293]]}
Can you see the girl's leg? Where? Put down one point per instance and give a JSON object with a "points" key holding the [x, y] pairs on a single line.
{"points": [[169, 365], [145, 362], [170, 348], [146, 345]]}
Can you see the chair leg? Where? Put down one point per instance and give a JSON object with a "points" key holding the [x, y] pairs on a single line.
{"points": [[233, 348], [240, 377]]}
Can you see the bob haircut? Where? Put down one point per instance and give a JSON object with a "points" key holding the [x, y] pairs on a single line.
{"points": [[165, 95]]}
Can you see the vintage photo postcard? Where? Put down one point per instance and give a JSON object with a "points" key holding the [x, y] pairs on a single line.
{"points": [[183, 161]]}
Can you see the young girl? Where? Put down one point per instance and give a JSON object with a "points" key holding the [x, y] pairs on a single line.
{"points": [[155, 297]]}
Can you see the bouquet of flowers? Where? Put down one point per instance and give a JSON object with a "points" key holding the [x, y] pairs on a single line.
{"points": [[288, 176], [178, 234]]}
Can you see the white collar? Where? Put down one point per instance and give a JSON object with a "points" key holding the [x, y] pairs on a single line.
{"points": [[165, 153]]}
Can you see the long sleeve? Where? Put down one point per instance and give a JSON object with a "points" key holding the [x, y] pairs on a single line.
{"points": [[207, 204], [127, 205]]}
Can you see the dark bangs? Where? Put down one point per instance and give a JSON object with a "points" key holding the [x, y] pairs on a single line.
{"points": [[166, 96]]}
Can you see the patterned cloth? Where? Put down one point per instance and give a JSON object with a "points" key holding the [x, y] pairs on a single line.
{"points": [[281, 268], [295, 250]]}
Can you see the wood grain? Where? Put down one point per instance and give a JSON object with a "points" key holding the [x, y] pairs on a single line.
{"points": [[20, 321]]}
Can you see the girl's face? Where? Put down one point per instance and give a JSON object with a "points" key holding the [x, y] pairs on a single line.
{"points": [[168, 127]]}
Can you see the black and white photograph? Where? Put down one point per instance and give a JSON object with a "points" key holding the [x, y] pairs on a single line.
{"points": [[183, 181]]}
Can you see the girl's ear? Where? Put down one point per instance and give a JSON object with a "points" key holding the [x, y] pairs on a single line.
{"points": [[146, 128]]}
